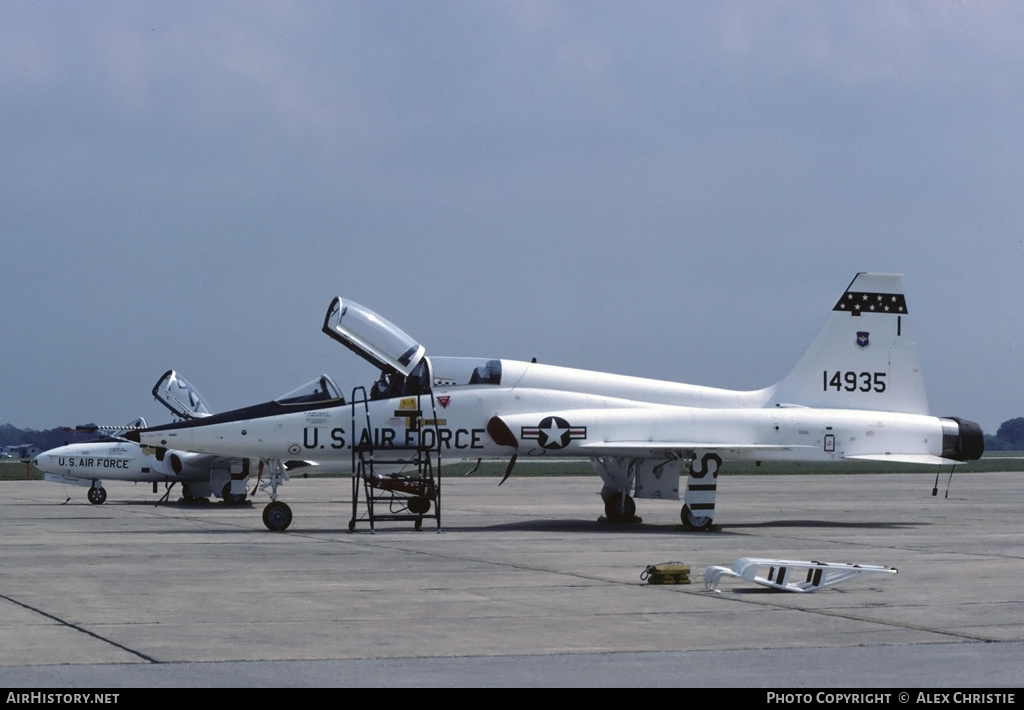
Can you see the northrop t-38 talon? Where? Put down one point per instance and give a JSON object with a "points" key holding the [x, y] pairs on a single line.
{"points": [[856, 393]]}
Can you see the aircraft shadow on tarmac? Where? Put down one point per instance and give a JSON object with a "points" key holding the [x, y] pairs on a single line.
{"points": [[592, 526], [862, 525], [200, 504], [578, 526]]}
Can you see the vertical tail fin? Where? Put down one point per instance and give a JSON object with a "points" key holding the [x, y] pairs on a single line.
{"points": [[863, 357]]}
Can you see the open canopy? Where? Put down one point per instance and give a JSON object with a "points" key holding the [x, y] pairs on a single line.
{"points": [[177, 394], [372, 337]]}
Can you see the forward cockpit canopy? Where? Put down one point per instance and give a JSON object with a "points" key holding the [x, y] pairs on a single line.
{"points": [[404, 368], [372, 337], [178, 395]]}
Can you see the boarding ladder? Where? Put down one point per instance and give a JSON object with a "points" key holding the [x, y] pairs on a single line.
{"points": [[396, 472]]}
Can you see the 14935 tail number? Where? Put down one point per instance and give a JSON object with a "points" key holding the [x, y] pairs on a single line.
{"points": [[853, 381]]}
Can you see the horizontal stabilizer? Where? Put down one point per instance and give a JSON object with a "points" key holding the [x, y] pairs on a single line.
{"points": [[113, 429]]}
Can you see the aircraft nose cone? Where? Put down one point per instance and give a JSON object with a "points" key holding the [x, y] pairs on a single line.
{"points": [[48, 462]]}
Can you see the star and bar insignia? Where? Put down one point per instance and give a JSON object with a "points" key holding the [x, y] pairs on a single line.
{"points": [[553, 433]]}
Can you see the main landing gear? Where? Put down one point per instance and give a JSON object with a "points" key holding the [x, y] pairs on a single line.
{"points": [[698, 511], [659, 479], [619, 476], [695, 523], [620, 508], [229, 497], [189, 497], [97, 495]]}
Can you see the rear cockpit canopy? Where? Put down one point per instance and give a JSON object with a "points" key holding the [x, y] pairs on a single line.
{"points": [[456, 371]]}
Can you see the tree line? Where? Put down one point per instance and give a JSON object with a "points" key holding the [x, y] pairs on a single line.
{"points": [[46, 439], [1009, 436]]}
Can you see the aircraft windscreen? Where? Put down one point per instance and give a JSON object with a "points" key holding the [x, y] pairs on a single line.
{"points": [[371, 336], [322, 389]]}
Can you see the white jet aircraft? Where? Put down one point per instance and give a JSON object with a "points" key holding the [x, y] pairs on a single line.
{"points": [[112, 457], [855, 394]]}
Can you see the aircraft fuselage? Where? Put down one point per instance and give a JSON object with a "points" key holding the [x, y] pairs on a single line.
{"points": [[855, 393], [117, 460], [582, 424]]}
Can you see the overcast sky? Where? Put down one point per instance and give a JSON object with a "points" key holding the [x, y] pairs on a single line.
{"points": [[680, 190]]}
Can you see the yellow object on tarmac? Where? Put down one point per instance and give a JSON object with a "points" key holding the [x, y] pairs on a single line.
{"points": [[667, 573]]}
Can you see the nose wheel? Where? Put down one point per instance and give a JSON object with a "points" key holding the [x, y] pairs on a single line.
{"points": [[277, 516], [97, 495]]}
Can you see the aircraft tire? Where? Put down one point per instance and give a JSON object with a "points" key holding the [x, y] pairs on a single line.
{"points": [[277, 516], [696, 523], [620, 508], [230, 497], [186, 494], [97, 495]]}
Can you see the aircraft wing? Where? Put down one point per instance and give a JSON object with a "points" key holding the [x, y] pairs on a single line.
{"points": [[747, 433], [673, 445], [632, 430], [923, 459], [749, 450]]}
